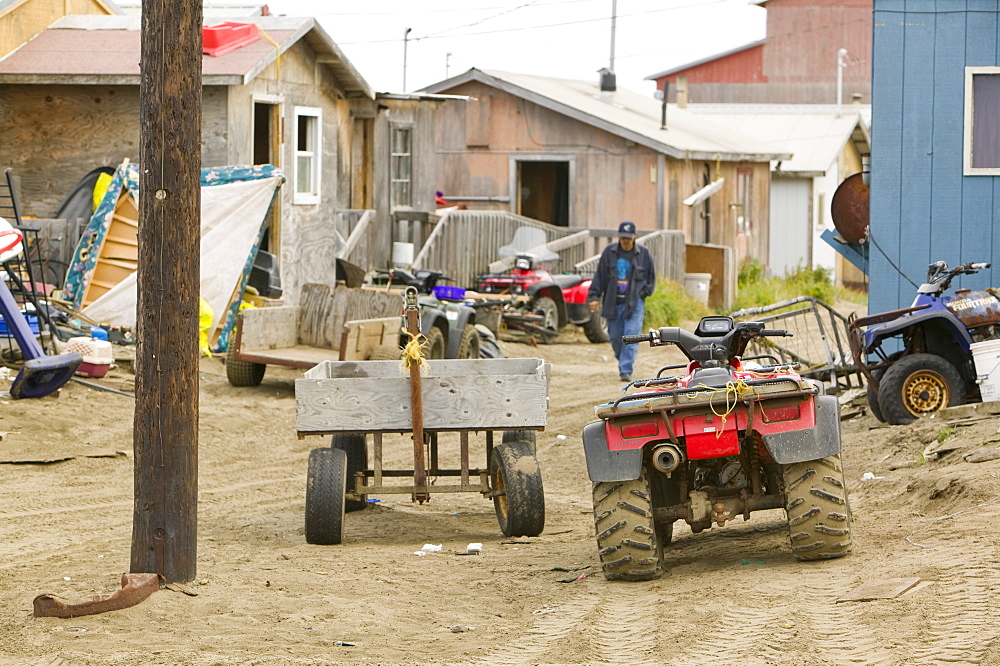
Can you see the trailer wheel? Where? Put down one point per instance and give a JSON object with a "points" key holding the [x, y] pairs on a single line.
{"points": [[528, 436], [545, 306], [627, 539], [356, 448], [434, 347], [326, 483], [917, 385], [243, 373], [385, 353], [517, 481], [819, 515], [468, 346], [596, 328]]}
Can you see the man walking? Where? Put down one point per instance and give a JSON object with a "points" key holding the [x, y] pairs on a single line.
{"points": [[624, 279]]}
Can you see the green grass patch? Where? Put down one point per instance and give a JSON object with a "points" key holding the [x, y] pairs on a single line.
{"points": [[671, 304], [754, 290]]}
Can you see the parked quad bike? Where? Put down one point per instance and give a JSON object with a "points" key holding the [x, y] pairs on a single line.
{"points": [[557, 299], [448, 325], [728, 437], [918, 360]]}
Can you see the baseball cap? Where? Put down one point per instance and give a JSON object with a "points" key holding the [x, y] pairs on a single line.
{"points": [[626, 230]]}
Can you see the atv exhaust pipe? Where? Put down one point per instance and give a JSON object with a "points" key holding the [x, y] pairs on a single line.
{"points": [[667, 458]]}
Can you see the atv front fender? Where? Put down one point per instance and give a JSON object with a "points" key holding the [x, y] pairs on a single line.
{"points": [[606, 465], [821, 441]]}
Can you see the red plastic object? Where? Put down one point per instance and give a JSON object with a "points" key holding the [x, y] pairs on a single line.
{"points": [[220, 39]]}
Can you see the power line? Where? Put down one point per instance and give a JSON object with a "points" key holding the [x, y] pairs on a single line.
{"points": [[439, 35]]}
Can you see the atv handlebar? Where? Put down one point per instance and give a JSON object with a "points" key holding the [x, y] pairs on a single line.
{"points": [[636, 339]]}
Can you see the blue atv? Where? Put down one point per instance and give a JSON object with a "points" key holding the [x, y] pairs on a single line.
{"points": [[918, 360]]}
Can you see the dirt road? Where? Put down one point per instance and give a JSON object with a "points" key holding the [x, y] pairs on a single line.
{"points": [[731, 595]]}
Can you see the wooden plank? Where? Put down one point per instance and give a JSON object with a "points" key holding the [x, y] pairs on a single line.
{"points": [[438, 369], [366, 404], [263, 329], [295, 356], [363, 335]]}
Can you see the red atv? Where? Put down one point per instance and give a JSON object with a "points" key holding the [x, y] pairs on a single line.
{"points": [[727, 437], [556, 299]]}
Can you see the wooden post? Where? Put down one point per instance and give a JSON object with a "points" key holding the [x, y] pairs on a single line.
{"points": [[165, 438]]}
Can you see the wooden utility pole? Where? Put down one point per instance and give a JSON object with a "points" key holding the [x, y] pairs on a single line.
{"points": [[165, 438]]}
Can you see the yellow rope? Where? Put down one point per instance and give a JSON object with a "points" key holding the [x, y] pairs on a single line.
{"points": [[413, 353], [277, 53], [738, 390]]}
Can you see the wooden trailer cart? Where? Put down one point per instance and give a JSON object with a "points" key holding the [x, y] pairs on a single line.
{"points": [[358, 402]]}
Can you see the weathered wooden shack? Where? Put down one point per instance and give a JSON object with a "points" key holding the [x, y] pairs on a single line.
{"points": [[589, 155], [69, 102]]}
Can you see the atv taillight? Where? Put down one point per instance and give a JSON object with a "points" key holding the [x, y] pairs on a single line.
{"points": [[785, 412], [643, 429]]}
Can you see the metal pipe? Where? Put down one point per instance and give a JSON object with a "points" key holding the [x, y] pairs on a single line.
{"points": [[841, 54]]}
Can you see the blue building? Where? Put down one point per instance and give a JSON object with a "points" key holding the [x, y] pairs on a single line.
{"points": [[935, 162]]}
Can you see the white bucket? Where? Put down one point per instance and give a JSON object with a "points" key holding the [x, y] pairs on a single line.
{"points": [[402, 255], [986, 356], [698, 285]]}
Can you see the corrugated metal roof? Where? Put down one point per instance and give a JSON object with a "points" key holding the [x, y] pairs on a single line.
{"points": [[813, 134], [106, 50], [627, 114]]}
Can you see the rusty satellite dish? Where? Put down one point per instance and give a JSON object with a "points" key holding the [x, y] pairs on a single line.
{"points": [[849, 210]]}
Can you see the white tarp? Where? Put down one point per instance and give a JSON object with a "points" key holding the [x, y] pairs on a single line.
{"points": [[231, 218]]}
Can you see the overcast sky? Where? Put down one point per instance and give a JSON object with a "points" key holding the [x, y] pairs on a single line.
{"points": [[560, 38]]}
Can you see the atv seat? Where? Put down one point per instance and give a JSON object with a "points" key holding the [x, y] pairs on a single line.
{"points": [[567, 281], [711, 377]]}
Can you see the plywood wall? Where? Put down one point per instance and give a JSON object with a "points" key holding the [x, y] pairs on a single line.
{"points": [[22, 21]]}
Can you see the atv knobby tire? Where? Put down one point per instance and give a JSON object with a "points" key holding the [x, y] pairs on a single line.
{"points": [[468, 345], [356, 448], [243, 373], [434, 345], [517, 480], [626, 535], [326, 482], [872, 396], [596, 328], [918, 385], [819, 515]]}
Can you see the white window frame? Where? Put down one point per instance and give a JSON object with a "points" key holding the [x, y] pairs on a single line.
{"points": [[968, 169], [393, 176], [316, 152]]}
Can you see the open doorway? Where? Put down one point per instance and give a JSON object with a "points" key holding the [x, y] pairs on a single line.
{"points": [[267, 150], [543, 191]]}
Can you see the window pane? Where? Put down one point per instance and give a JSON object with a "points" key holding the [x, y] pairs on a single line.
{"points": [[305, 124], [303, 174], [986, 121], [401, 141]]}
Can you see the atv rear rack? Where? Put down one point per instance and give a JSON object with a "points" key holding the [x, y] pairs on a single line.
{"points": [[695, 397]]}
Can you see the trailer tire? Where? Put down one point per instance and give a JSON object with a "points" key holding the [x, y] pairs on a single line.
{"points": [[596, 328], [468, 346], [243, 373], [547, 307], [819, 515], [356, 448], [918, 385], [326, 483], [517, 480], [528, 436], [385, 353], [627, 539]]}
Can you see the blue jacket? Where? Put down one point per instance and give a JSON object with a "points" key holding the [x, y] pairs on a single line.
{"points": [[604, 286]]}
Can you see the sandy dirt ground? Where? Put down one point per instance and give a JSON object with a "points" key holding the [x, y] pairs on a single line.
{"points": [[730, 595]]}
